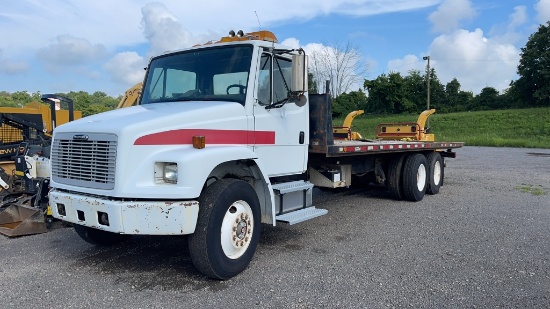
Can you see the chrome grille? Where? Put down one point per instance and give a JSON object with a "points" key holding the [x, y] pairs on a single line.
{"points": [[84, 160]]}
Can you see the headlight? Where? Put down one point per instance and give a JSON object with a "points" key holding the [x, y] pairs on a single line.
{"points": [[170, 173]]}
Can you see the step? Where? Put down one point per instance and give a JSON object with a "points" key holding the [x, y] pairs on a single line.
{"points": [[292, 186], [301, 215]]}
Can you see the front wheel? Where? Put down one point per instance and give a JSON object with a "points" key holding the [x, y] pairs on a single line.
{"points": [[228, 229]]}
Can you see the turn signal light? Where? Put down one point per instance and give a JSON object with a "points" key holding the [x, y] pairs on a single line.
{"points": [[199, 142]]}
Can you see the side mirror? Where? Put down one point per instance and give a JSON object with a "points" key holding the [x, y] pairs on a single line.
{"points": [[299, 83]]}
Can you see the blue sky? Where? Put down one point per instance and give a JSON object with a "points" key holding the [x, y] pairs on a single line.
{"points": [[62, 46]]}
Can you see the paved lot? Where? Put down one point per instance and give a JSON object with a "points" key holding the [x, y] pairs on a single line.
{"points": [[482, 242]]}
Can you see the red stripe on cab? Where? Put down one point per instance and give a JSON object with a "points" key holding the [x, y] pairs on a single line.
{"points": [[213, 137]]}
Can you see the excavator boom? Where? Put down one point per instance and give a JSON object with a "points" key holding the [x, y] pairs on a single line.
{"points": [[131, 96]]}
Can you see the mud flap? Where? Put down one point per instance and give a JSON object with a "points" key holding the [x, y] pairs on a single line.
{"points": [[18, 220]]}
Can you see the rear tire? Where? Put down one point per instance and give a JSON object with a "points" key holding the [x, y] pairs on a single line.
{"points": [[415, 177], [99, 237], [394, 182], [436, 172], [228, 229]]}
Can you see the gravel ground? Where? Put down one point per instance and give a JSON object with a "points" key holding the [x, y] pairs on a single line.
{"points": [[481, 242]]}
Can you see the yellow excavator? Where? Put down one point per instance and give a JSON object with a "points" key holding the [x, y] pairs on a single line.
{"points": [[131, 96], [25, 138]]}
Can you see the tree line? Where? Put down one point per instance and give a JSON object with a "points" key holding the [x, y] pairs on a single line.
{"points": [[89, 104], [396, 94]]}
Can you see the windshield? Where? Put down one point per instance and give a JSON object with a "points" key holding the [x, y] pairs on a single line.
{"points": [[210, 74]]}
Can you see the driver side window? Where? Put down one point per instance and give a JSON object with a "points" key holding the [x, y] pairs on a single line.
{"points": [[273, 79], [264, 80], [282, 72]]}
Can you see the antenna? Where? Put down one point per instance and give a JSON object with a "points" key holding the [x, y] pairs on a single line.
{"points": [[259, 25]]}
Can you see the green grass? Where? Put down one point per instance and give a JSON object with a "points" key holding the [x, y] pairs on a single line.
{"points": [[528, 128], [535, 190]]}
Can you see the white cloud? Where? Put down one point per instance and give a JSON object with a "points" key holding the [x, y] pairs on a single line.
{"points": [[292, 43], [373, 7], [508, 33], [126, 68], [12, 66], [69, 51], [476, 61], [543, 11], [519, 17], [406, 64], [450, 13], [163, 30]]}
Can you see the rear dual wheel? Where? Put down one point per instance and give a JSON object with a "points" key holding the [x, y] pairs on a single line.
{"points": [[436, 172], [415, 180], [411, 177], [394, 180]]}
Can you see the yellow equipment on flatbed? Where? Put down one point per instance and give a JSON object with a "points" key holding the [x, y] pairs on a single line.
{"points": [[344, 132], [411, 131], [406, 131]]}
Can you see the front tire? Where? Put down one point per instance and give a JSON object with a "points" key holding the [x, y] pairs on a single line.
{"points": [[99, 237], [228, 229], [415, 177]]}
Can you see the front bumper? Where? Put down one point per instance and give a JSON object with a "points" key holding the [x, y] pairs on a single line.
{"points": [[136, 218]]}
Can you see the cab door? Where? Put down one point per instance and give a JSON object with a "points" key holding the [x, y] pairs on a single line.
{"points": [[281, 127]]}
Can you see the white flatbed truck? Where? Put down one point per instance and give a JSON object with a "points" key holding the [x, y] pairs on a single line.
{"points": [[225, 138]]}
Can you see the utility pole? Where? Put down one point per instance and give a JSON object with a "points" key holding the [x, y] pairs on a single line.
{"points": [[428, 82]]}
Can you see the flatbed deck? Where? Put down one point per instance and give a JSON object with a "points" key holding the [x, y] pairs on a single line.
{"points": [[357, 147]]}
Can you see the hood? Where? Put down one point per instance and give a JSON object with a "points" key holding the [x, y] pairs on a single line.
{"points": [[150, 118]]}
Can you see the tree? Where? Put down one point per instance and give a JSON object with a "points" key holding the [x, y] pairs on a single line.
{"points": [[388, 95], [533, 85], [437, 92], [488, 98], [348, 102], [312, 84], [341, 64], [416, 90]]}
